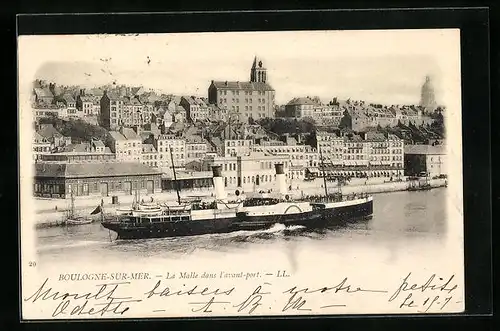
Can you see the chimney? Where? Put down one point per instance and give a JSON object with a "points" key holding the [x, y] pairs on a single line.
{"points": [[218, 182], [280, 178]]}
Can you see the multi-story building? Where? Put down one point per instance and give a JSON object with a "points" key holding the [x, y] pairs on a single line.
{"points": [[85, 103], [196, 148], [126, 144], [384, 150], [111, 112], [300, 108], [50, 133], [328, 115], [149, 155], [237, 147], [217, 114], [41, 146], [356, 151], [147, 112], [92, 151], [251, 172], [299, 157], [196, 108], [331, 146], [253, 99], [170, 147], [132, 112], [47, 110], [428, 159], [43, 96]]}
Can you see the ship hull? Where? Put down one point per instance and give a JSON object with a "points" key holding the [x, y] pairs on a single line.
{"points": [[322, 216], [261, 222], [361, 211], [163, 229]]}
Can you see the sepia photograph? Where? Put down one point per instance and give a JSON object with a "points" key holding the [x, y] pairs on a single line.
{"points": [[241, 174]]}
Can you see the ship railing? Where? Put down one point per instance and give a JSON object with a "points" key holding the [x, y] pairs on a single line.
{"points": [[335, 197]]}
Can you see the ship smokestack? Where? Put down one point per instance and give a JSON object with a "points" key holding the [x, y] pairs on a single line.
{"points": [[220, 193], [280, 178]]}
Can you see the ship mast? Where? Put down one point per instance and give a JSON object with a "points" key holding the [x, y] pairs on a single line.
{"points": [[323, 170], [175, 176], [72, 211]]}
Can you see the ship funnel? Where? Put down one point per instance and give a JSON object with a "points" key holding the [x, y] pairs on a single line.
{"points": [[220, 193], [280, 178]]}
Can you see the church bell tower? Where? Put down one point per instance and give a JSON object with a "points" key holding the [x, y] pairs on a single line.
{"points": [[258, 74]]}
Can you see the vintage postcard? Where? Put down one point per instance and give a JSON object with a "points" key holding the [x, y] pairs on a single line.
{"points": [[241, 174]]}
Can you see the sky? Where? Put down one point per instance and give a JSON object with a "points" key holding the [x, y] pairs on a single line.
{"points": [[377, 65]]}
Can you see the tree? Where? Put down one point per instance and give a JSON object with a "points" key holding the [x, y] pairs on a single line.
{"points": [[346, 121]]}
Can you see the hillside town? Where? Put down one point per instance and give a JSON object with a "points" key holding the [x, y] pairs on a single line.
{"points": [[116, 140]]}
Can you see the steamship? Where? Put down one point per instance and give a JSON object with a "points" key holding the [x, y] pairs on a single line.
{"points": [[257, 211]]}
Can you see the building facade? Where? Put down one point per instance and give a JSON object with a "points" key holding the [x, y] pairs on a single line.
{"points": [[111, 111], [300, 108], [253, 99], [61, 180], [251, 172], [428, 159], [126, 144]]}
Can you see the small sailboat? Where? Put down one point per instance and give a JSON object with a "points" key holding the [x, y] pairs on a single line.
{"points": [[417, 185], [72, 219]]}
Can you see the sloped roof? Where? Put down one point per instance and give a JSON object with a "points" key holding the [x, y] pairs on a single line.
{"points": [[301, 101], [134, 90], [87, 98], [96, 92], [425, 149], [375, 136], [254, 86], [85, 170], [117, 135], [189, 100], [129, 134], [68, 98], [83, 147], [42, 92], [48, 131], [38, 137]]}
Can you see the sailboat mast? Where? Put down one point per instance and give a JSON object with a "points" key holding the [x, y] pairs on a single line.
{"points": [[175, 176], [72, 211], [323, 170]]}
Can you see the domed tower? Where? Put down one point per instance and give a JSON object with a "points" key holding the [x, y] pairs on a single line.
{"points": [[427, 98], [258, 73]]}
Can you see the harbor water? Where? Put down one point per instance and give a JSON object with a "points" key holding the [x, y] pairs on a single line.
{"points": [[402, 223]]}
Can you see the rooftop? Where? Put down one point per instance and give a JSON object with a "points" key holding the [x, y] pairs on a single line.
{"points": [[86, 170], [43, 92], [129, 134], [117, 135], [425, 149], [48, 131], [257, 86], [301, 101]]}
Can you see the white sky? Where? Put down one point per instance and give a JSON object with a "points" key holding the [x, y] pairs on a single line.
{"points": [[376, 65]]}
